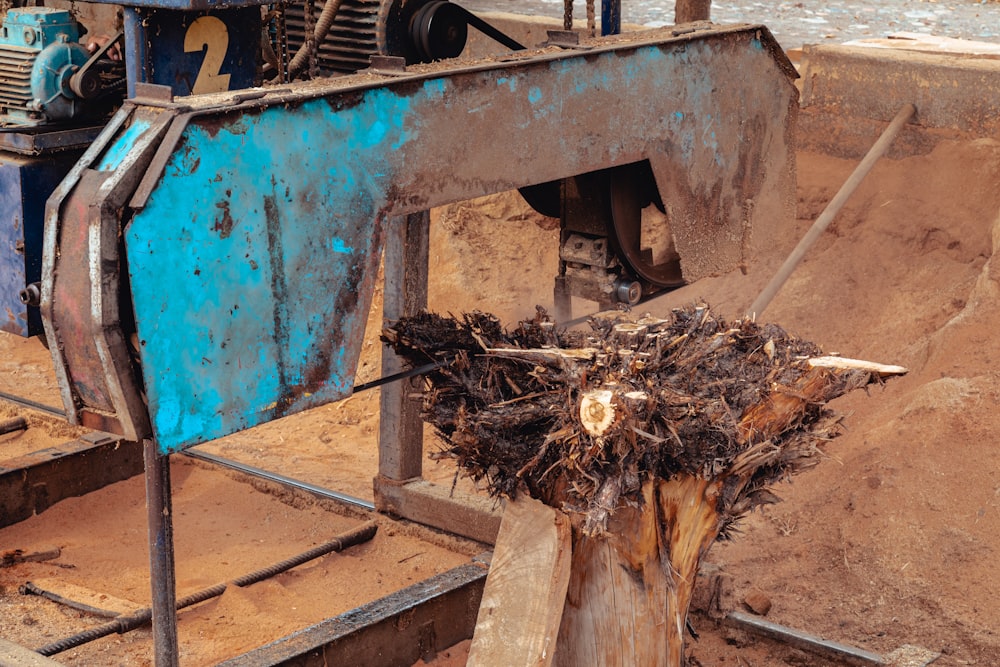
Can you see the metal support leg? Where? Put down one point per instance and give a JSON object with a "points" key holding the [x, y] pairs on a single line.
{"points": [[161, 555], [401, 429], [399, 489]]}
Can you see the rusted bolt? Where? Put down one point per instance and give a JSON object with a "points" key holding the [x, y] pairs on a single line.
{"points": [[31, 295]]}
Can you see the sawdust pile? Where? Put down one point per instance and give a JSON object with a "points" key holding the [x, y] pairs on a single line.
{"points": [[580, 420]]}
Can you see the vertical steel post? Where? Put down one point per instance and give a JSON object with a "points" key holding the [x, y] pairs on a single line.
{"points": [[401, 429], [136, 52], [611, 17], [161, 555]]}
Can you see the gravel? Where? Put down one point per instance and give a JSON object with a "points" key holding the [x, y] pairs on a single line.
{"points": [[807, 22]]}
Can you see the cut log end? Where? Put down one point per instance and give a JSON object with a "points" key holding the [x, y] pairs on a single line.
{"points": [[597, 411]]}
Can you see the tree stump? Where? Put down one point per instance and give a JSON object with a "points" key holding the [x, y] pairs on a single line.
{"points": [[630, 589], [651, 438]]}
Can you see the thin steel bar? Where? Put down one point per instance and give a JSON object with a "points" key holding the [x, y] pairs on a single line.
{"points": [[281, 479], [832, 209], [835, 650], [163, 580], [138, 618], [28, 403]]}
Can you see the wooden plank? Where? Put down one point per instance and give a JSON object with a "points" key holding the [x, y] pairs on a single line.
{"points": [[915, 41], [518, 622]]}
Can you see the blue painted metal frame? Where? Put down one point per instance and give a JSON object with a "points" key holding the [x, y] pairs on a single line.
{"points": [[155, 40], [25, 183], [255, 233]]}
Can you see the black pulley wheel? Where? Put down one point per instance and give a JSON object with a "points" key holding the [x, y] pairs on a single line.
{"points": [[632, 189], [439, 31]]}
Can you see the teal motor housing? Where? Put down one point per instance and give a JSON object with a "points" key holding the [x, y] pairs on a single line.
{"points": [[39, 53]]}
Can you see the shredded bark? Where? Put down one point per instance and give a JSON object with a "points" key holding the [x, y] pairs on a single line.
{"points": [[689, 395]]}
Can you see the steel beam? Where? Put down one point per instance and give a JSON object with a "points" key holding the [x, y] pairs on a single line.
{"points": [[32, 483], [474, 517], [251, 297], [399, 629]]}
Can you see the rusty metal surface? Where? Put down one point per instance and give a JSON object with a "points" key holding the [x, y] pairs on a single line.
{"points": [[31, 142], [82, 279], [254, 244], [399, 629], [32, 483], [25, 184]]}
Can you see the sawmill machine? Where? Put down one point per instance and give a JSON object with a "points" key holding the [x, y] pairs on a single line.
{"points": [[221, 175], [214, 219]]}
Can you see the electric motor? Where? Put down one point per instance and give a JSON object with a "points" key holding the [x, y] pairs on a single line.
{"points": [[39, 53]]}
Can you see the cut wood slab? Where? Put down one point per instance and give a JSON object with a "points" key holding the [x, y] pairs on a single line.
{"points": [[525, 592]]}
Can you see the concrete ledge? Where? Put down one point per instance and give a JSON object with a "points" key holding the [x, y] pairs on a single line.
{"points": [[852, 92]]}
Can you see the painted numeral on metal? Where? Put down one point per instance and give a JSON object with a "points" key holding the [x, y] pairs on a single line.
{"points": [[210, 32]]}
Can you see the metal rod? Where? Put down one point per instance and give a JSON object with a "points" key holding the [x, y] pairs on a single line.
{"points": [[803, 640], [832, 209], [281, 479], [364, 386], [15, 424], [28, 588], [28, 403], [611, 17], [138, 618], [163, 581]]}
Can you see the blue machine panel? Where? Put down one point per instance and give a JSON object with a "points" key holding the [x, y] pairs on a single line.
{"points": [[25, 184], [193, 52], [257, 279]]}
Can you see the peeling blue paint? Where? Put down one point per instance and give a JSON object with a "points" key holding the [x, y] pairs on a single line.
{"points": [[113, 157]]}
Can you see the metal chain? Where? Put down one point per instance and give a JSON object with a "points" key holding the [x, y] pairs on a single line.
{"points": [[567, 14]]}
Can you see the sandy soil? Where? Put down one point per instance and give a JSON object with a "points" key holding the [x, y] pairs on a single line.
{"points": [[892, 540]]}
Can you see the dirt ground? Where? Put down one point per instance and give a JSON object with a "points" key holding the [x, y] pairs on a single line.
{"points": [[892, 540]]}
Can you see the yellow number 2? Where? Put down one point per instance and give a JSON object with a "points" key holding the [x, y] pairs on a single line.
{"points": [[210, 32]]}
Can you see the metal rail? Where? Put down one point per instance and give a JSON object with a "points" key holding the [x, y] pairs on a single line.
{"points": [[281, 479], [803, 640], [131, 621], [34, 405]]}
